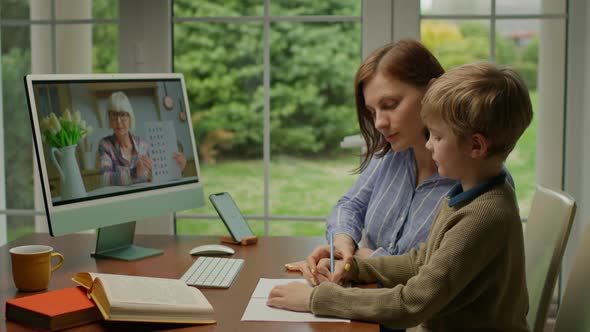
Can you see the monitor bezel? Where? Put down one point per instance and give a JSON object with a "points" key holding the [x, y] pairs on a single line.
{"points": [[52, 209]]}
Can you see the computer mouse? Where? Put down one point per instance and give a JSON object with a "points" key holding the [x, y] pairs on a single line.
{"points": [[212, 249]]}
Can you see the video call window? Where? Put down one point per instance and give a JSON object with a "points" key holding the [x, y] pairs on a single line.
{"points": [[108, 138]]}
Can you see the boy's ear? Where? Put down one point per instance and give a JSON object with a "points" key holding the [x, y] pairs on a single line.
{"points": [[480, 146]]}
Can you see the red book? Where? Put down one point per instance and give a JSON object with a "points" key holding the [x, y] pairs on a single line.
{"points": [[53, 310]]}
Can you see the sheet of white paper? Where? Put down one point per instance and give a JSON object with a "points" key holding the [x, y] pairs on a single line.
{"points": [[257, 310], [162, 139]]}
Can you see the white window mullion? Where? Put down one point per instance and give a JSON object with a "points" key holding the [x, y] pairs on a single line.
{"points": [[377, 27], [493, 31], [385, 21], [406, 19], [43, 54], [3, 228]]}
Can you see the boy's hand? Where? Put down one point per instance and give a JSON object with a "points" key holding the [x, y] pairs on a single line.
{"points": [[324, 273], [292, 296]]}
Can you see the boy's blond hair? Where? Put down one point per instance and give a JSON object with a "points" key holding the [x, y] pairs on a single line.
{"points": [[481, 98]]}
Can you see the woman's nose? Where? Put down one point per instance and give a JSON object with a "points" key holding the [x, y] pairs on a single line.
{"points": [[381, 121]]}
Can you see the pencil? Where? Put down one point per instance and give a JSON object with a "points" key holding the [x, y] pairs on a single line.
{"points": [[331, 251]]}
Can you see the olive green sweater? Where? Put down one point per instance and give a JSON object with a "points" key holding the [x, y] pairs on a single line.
{"points": [[468, 275]]}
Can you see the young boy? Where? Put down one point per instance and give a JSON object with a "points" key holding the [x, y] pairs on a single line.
{"points": [[469, 274]]}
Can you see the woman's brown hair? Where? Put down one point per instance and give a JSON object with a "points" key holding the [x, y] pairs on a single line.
{"points": [[406, 60]]}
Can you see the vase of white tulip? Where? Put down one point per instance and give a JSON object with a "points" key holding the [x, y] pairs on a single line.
{"points": [[70, 179], [63, 134]]}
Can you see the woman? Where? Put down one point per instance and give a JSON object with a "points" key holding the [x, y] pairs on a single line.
{"points": [[394, 200], [124, 157]]}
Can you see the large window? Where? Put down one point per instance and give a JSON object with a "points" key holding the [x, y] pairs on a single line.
{"points": [[270, 87]]}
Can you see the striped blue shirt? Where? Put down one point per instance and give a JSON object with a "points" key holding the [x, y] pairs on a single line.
{"points": [[386, 203]]}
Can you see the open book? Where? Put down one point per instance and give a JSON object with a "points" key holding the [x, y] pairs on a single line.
{"points": [[145, 299]]}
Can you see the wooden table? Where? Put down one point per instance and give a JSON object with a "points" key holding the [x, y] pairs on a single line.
{"points": [[265, 259]]}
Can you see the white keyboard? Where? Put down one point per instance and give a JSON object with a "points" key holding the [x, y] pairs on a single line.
{"points": [[212, 272]]}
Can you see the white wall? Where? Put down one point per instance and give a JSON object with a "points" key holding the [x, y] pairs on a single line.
{"points": [[577, 153]]}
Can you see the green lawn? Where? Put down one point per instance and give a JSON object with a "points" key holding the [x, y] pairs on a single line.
{"points": [[299, 187]]}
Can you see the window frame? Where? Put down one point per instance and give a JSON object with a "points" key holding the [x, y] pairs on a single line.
{"points": [[399, 18]]}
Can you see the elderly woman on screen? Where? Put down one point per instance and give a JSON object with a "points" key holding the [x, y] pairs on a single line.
{"points": [[124, 157]]}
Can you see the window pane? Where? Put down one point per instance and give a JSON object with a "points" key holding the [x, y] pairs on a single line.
{"points": [[19, 9], [18, 148], [192, 8], [456, 42], [310, 186], [312, 7], [512, 7], [105, 9], [105, 38], [20, 226], [297, 228], [312, 110], [454, 7], [200, 227], [187, 226], [222, 65], [212, 227]]}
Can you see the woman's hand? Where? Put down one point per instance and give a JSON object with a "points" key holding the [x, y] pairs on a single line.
{"points": [[292, 296], [344, 248], [324, 273], [180, 160], [303, 267], [144, 164]]}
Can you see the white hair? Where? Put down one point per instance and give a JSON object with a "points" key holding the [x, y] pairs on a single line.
{"points": [[119, 102]]}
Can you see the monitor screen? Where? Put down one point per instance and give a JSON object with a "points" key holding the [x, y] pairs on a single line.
{"points": [[112, 148]]}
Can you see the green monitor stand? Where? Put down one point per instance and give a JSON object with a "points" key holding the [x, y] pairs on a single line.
{"points": [[116, 242]]}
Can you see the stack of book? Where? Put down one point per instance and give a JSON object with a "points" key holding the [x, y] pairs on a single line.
{"points": [[114, 298]]}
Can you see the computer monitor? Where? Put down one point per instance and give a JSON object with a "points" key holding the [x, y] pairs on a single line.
{"points": [[113, 149]]}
